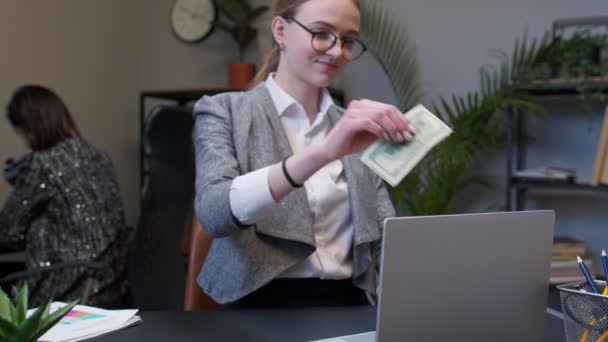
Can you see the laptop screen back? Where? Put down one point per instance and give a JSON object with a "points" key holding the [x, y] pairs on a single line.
{"points": [[470, 277]]}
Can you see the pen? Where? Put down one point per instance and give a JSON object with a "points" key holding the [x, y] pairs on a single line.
{"points": [[605, 263], [586, 273]]}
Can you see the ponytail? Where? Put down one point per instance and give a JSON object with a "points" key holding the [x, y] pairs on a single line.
{"points": [[271, 63]]}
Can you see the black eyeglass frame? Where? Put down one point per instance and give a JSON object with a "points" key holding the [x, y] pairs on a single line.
{"points": [[314, 33]]}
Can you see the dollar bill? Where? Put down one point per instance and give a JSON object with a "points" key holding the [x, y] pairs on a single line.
{"points": [[393, 161]]}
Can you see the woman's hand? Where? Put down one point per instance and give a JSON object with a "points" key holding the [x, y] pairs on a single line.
{"points": [[362, 124]]}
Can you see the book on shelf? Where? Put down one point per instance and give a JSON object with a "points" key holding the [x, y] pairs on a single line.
{"points": [[562, 242], [570, 263], [567, 256], [564, 265], [567, 249], [569, 275], [600, 166], [549, 174], [84, 322]]}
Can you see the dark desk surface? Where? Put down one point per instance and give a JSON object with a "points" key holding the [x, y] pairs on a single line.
{"points": [[265, 325]]}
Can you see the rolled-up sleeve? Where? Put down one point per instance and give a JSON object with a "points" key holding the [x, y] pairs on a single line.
{"points": [[250, 197]]}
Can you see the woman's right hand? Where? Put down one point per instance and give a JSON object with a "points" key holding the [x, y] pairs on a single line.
{"points": [[363, 123]]}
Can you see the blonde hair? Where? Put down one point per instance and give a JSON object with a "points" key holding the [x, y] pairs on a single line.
{"points": [[283, 8]]}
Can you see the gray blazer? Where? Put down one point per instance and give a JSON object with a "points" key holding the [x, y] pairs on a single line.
{"points": [[236, 133]]}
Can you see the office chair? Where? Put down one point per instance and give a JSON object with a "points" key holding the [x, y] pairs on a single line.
{"points": [[156, 264], [90, 266], [194, 297]]}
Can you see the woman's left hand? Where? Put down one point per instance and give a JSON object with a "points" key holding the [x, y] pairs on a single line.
{"points": [[363, 123]]}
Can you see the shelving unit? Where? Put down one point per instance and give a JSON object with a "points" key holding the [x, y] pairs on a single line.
{"points": [[517, 189]]}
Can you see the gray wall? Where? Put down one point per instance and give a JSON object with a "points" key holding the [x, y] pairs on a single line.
{"points": [[83, 50], [100, 54], [453, 39]]}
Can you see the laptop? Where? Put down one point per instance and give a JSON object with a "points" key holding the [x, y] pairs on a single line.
{"points": [[471, 277]]}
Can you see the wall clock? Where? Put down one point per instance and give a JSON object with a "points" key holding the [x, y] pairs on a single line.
{"points": [[192, 20]]}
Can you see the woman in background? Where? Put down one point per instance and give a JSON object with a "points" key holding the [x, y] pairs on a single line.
{"points": [[295, 215], [65, 205]]}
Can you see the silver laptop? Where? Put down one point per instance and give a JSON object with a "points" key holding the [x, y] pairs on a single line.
{"points": [[473, 277]]}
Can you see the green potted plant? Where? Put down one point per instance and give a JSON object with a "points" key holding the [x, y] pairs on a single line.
{"points": [[433, 185], [239, 17], [16, 326], [577, 56], [477, 118]]}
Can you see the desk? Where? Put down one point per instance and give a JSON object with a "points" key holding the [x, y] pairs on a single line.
{"points": [[265, 325]]}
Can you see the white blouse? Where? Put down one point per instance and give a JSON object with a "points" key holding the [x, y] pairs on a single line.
{"points": [[326, 190]]}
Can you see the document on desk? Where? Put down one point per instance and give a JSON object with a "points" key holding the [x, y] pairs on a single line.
{"points": [[364, 337], [392, 161], [84, 322]]}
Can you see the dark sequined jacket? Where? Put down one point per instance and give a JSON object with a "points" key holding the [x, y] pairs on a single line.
{"points": [[66, 206]]}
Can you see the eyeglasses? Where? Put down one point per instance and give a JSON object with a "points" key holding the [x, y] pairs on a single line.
{"points": [[323, 41]]}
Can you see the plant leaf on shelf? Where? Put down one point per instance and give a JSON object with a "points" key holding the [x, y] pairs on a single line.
{"points": [[232, 9], [477, 118]]}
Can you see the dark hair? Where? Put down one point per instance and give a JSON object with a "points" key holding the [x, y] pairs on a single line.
{"points": [[41, 116], [283, 8]]}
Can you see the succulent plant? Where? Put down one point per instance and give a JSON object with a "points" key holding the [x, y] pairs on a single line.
{"points": [[16, 326]]}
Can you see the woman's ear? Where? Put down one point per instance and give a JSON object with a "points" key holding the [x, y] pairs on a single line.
{"points": [[278, 29]]}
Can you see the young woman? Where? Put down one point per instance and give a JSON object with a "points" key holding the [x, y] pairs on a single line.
{"points": [[65, 205], [295, 215]]}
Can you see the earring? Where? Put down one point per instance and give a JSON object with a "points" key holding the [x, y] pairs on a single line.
{"points": [[282, 47]]}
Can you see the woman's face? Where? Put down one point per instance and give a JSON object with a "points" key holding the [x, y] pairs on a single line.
{"points": [[302, 61]]}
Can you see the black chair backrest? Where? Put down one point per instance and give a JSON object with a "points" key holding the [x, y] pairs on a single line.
{"points": [[167, 136], [157, 267]]}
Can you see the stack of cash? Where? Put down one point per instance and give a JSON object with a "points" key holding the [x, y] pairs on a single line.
{"points": [[393, 161]]}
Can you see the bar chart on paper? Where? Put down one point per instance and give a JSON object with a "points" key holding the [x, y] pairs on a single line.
{"points": [[74, 316], [84, 322]]}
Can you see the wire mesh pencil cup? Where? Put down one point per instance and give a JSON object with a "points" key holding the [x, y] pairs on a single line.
{"points": [[585, 312]]}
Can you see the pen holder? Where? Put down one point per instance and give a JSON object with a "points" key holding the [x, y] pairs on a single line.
{"points": [[585, 312]]}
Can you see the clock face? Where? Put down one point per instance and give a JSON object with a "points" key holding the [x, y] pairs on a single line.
{"points": [[192, 20]]}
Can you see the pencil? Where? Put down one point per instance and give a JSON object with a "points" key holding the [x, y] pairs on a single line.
{"points": [[605, 263], [586, 273]]}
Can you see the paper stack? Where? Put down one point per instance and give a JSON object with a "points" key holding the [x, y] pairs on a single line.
{"points": [[546, 175], [84, 322]]}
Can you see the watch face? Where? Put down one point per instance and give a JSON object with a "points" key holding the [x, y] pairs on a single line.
{"points": [[192, 20]]}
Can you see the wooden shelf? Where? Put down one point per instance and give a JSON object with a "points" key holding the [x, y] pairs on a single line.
{"points": [[563, 86], [518, 183]]}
